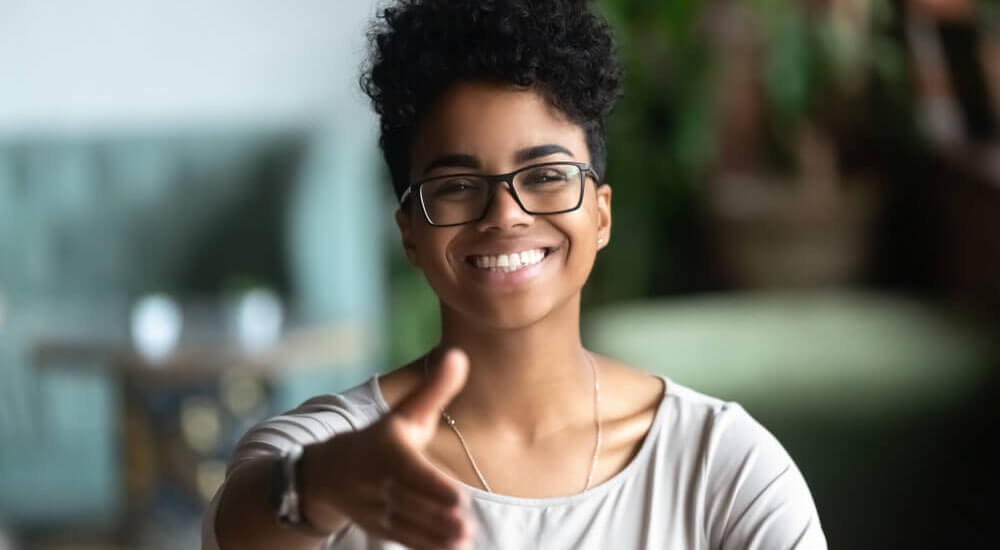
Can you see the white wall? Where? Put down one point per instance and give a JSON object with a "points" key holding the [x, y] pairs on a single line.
{"points": [[100, 64]]}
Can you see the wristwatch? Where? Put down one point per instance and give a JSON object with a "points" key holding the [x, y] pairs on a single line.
{"points": [[286, 496]]}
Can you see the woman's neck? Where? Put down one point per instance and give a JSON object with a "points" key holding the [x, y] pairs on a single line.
{"points": [[529, 381]]}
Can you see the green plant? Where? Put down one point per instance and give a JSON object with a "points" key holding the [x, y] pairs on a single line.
{"points": [[835, 66]]}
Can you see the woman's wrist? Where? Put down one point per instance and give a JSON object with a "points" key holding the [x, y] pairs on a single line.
{"points": [[315, 505]]}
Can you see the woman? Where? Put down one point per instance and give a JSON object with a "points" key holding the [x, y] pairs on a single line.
{"points": [[509, 434]]}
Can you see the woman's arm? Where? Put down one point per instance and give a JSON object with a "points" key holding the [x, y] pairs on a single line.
{"points": [[347, 478]]}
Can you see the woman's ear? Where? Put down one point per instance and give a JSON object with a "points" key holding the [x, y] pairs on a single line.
{"points": [[406, 235], [603, 215]]}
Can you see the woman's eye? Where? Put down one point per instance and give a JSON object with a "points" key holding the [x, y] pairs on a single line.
{"points": [[547, 177], [452, 188]]}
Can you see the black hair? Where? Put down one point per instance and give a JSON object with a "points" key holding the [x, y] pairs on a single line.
{"points": [[420, 48]]}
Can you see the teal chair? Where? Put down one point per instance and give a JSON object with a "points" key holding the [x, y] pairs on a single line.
{"points": [[88, 224]]}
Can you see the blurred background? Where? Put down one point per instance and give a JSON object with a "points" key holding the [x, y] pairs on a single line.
{"points": [[196, 233]]}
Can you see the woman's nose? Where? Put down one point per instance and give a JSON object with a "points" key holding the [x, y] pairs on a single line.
{"points": [[504, 212]]}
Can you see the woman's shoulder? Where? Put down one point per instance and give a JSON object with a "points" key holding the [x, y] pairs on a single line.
{"points": [[315, 420], [752, 488], [327, 414], [711, 418], [630, 390], [722, 436], [686, 412], [363, 398]]}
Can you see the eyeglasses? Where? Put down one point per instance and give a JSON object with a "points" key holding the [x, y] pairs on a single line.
{"points": [[546, 188]]}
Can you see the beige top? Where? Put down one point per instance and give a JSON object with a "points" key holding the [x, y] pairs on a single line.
{"points": [[707, 476]]}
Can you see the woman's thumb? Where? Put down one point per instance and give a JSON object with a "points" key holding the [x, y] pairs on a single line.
{"points": [[445, 378]]}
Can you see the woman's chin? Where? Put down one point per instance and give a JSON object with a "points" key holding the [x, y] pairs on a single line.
{"points": [[512, 313]]}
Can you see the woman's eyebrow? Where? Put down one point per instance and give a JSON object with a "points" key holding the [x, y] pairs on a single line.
{"points": [[458, 160], [538, 151], [462, 160]]}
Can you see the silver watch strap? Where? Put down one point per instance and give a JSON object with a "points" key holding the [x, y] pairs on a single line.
{"points": [[289, 509]]}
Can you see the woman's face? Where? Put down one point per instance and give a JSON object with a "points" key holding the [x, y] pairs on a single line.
{"points": [[486, 128]]}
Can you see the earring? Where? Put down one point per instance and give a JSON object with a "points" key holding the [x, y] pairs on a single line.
{"points": [[600, 241]]}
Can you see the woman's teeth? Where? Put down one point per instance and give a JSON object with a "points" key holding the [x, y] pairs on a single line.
{"points": [[509, 262]]}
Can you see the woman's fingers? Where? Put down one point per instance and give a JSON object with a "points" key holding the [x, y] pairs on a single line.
{"points": [[449, 522], [414, 540], [422, 500], [414, 421], [426, 505], [420, 474], [391, 519], [410, 464]]}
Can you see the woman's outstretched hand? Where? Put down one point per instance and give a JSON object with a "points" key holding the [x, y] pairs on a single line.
{"points": [[380, 479]]}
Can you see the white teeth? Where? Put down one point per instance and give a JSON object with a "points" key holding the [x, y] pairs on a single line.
{"points": [[509, 262]]}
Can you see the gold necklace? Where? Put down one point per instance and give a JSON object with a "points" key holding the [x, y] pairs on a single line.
{"points": [[597, 421]]}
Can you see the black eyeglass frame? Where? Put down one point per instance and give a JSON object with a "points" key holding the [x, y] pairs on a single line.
{"points": [[492, 181]]}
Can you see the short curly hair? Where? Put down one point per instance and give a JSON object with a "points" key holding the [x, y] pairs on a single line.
{"points": [[420, 48]]}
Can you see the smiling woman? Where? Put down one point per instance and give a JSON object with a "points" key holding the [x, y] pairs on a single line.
{"points": [[492, 116], [512, 130]]}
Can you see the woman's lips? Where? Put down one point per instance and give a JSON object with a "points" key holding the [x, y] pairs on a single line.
{"points": [[486, 269], [509, 262]]}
